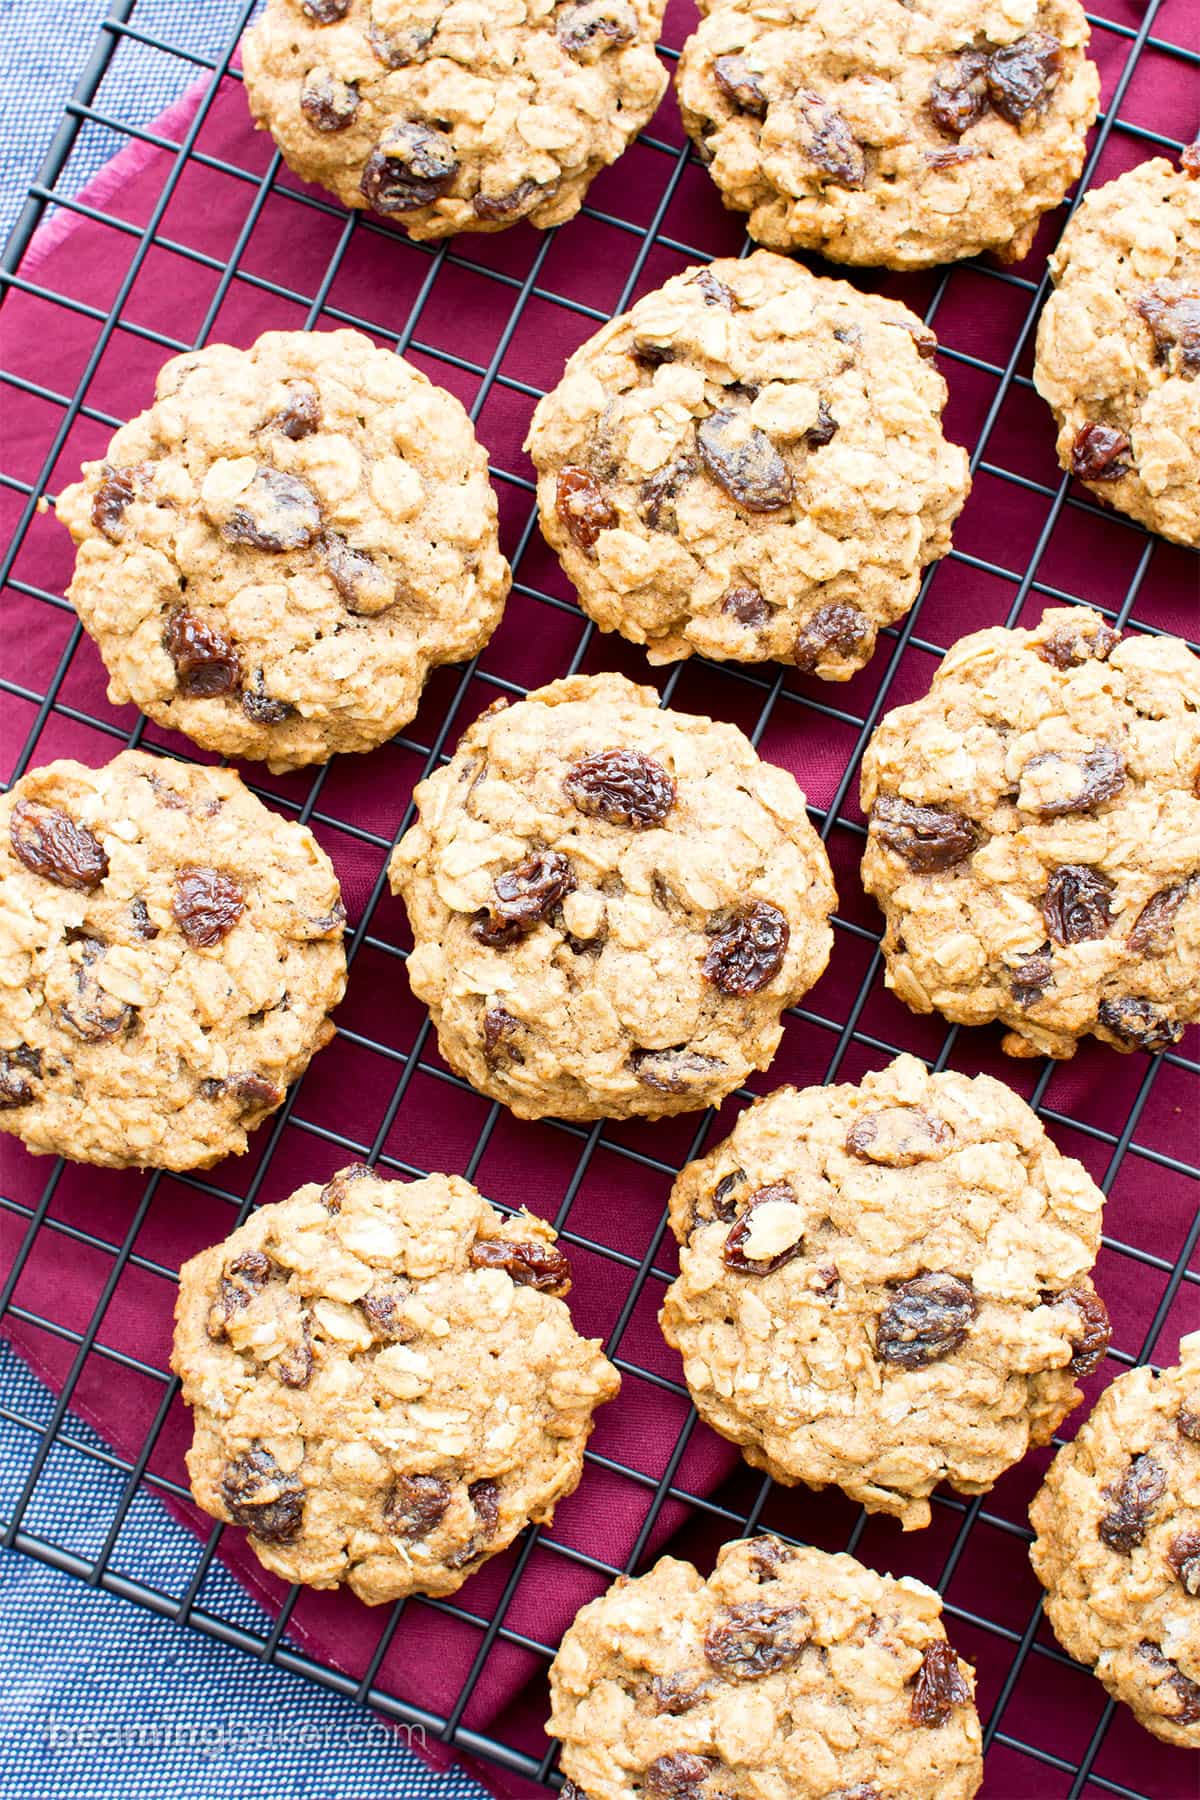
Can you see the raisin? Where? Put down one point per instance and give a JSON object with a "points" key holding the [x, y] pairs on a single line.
{"points": [[327, 102], [325, 12], [657, 493], [824, 138], [1134, 1499], [19, 1068], [334, 1191], [207, 904], [747, 952], [1031, 979], [1189, 160], [500, 1027], [1101, 774], [959, 96], [1185, 1690], [582, 506], [523, 896], [675, 1694], [412, 167], [622, 787], [529, 1264], [1089, 1347], [261, 707], [1172, 311], [743, 460], [485, 1500], [253, 1092], [1151, 934], [118, 487], [140, 915], [588, 29], [295, 1366], [569, 1791], [1188, 1423], [938, 1685], [365, 588], [384, 1308], [734, 1254], [94, 1013], [723, 1207], [206, 663], [1139, 1023], [926, 1320], [768, 1555], [651, 355], [679, 1775], [898, 1137], [1183, 1559], [415, 1504], [715, 291], [1069, 645], [755, 1638], [1022, 76], [243, 1278], [300, 416], [929, 838], [1098, 453], [512, 205], [741, 85], [824, 431], [674, 1071], [1076, 904], [257, 1494], [50, 844], [400, 49], [746, 605], [836, 630], [276, 512]]}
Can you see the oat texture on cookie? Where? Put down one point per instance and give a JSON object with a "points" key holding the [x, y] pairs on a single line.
{"points": [[1118, 346], [275, 554], [1118, 1545], [386, 1382], [789, 1672], [170, 952], [455, 115], [893, 132], [750, 464], [1034, 836], [887, 1286], [611, 904]]}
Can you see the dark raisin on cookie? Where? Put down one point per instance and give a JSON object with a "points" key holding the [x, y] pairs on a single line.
{"points": [[528, 1263], [1171, 309], [325, 12], [746, 952], [257, 1493], [679, 1775], [1070, 645], [300, 415], [1152, 932], [926, 1319], [958, 98], [622, 787], [1031, 978], [929, 838], [677, 1070], [1091, 1343], [327, 102], [1077, 904], [756, 1638], [511, 205], [207, 904], [741, 85], [779, 1193], [746, 605], [1100, 772], [898, 1137], [1183, 1560], [415, 1505], [591, 27], [743, 461], [1134, 1500], [582, 506], [1099, 453], [1140, 1024], [51, 844], [117, 488], [523, 896], [276, 512], [412, 167], [938, 1685], [837, 630], [19, 1069], [1022, 76], [262, 708], [206, 663], [824, 139]]}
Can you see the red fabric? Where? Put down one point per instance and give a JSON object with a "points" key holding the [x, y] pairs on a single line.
{"points": [[620, 1201]]}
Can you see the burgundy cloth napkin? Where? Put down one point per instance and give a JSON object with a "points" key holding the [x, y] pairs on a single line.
{"points": [[621, 1195]]}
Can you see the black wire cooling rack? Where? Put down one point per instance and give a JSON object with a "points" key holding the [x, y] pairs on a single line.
{"points": [[1012, 1645]]}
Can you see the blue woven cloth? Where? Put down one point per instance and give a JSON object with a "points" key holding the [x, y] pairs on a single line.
{"points": [[100, 1700]]}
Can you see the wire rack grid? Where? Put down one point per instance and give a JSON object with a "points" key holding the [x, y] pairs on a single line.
{"points": [[531, 287]]}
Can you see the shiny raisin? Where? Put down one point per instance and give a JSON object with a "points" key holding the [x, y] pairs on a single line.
{"points": [[523, 896], [926, 1319], [746, 952], [1184, 1690], [1076, 905], [582, 506], [723, 1207], [262, 708], [276, 512], [399, 49], [294, 1366], [1139, 1024], [929, 838], [300, 415], [768, 1555], [513, 205], [622, 787], [257, 1494], [92, 1012], [325, 12], [50, 844], [714, 290], [19, 1069], [412, 167], [415, 1505], [674, 1695], [1183, 1559], [824, 431], [500, 1029], [1031, 979], [1172, 311], [206, 663], [657, 494], [253, 1092], [1060, 784], [1134, 1500], [959, 96], [746, 605], [674, 1071], [328, 102], [1098, 453], [241, 1281], [118, 487], [1152, 930], [529, 1263], [1022, 76], [743, 461], [838, 632], [938, 1685], [734, 1255], [824, 139], [384, 1305], [207, 904], [1069, 645], [1090, 1345], [1187, 1423], [590, 28], [898, 1137], [755, 1638], [741, 85], [485, 1498], [334, 1191], [680, 1775]]}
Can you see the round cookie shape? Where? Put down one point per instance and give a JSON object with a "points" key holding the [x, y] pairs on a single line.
{"points": [[750, 464], [611, 904], [1033, 830], [789, 1671], [893, 132], [387, 1385], [449, 116], [1118, 346], [886, 1286], [1118, 1545], [275, 554], [171, 951]]}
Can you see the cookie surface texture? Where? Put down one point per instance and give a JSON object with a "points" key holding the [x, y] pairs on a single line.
{"points": [[275, 554], [611, 904], [1118, 1545], [386, 1382], [892, 132], [1034, 836], [170, 954], [1118, 347], [750, 464], [789, 1672], [455, 116], [887, 1286]]}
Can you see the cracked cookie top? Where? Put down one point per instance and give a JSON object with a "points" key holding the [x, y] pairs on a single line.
{"points": [[788, 1672], [1118, 1545], [894, 132], [1118, 346], [612, 904], [169, 955], [750, 464], [451, 115], [274, 555], [386, 1383], [1034, 836], [886, 1286]]}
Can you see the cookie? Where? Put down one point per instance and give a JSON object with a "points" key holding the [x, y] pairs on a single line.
{"points": [[1118, 346], [387, 1385], [273, 557], [1118, 1545], [611, 904], [170, 952], [750, 464], [1034, 836], [894, 132], [448, 115], [789, 1673]]}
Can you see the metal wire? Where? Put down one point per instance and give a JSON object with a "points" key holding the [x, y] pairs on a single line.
{"points": [[765, 689]]}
